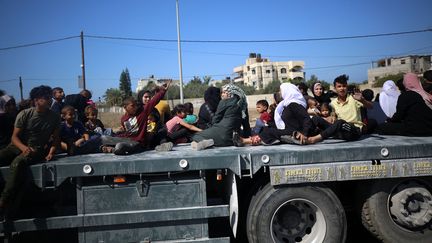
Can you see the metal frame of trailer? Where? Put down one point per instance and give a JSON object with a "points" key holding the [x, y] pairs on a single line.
{"points": [[167, 201]]}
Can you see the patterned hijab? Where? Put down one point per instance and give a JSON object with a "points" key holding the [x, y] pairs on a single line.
{"points": [[232, 89], [388, 98], [411, 82], [290, 94]]}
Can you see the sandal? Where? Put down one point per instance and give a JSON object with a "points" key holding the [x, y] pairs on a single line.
{"points": [[237, 140], [291, 139]]}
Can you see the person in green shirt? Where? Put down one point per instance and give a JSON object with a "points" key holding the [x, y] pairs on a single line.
{"points": [[33, 129]]}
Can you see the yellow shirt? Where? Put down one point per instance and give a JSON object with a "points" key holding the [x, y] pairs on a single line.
{"points": [[164, 109], [348, 110]]}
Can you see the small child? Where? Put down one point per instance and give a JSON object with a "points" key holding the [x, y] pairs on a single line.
{"points": [[313, 107], [178, 130], [190, 117], [93, 124], [262, 107], [326, 113], [74, 137]]}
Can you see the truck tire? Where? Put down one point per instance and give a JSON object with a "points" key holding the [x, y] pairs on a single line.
{"points": [[296, 214], [399, 211]]}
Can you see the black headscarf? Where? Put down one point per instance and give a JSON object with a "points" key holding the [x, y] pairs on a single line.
{"points": [[212, 98]]}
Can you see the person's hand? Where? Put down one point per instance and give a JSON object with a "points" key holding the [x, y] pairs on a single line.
{"points": [[167, 84], [28, 151], [302, 138], [79, 142], [358, 95], [49, 157]]}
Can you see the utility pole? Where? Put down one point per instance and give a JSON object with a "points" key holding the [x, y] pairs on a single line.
{"points": [[179, 53], [82, 60], [21, 88]]}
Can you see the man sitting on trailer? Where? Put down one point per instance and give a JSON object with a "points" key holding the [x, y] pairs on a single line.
{"points": [[33, 129]]}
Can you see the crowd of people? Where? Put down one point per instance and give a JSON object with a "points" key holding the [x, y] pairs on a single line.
{"points": [[50, 122]]}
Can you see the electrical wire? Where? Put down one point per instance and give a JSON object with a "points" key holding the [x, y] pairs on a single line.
{"points": [[38, 43], [8, 80], [263, 41]]}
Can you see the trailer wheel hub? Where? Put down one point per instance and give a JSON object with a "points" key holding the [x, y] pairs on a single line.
{"points": [[411, 205], [298, 220]]}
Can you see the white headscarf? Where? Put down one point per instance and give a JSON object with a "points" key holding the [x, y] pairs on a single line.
{"points": [[388, 98], [290, 94], [3, 100]]}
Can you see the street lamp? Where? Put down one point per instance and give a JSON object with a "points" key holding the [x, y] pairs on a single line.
{"points": [[179, 52]]}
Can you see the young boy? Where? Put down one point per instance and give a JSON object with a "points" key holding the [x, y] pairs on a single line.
{"points": [[57, 100], [347, 107], [32, 131], [93, 124], [264, 119], [74, 137]]}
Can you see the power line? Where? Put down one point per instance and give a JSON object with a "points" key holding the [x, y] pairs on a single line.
{"points": [[8, 80], [262, 41], [38, 43], [336, 66]]}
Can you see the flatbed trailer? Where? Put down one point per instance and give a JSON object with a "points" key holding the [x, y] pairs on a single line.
{"points": [[280, 193]]}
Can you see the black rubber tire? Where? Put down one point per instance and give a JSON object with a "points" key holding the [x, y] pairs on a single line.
{"points": [[267, 200], [377, 220]]}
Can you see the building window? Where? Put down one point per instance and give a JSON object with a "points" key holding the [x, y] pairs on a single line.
{"points": [[415, 60], [267, 71], [402, 61], [248, 68], [284, 79], [253, 71], [283, 70], [388, 62]]}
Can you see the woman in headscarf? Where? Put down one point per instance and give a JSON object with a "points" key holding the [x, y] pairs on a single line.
{"points": [[231, 114], [319, 94], [208, 109], [413, 116], [388, 98]]}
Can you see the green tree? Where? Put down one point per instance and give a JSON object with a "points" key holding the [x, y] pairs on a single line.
{"points": [[196, 80], [125, 84], [207, 79], [249, 90], [313, 79], [195, 89], [395, 77], [272, 87], [113, 97], [173, 92]]}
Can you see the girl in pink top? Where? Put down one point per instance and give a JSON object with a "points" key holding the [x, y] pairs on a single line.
{"points": [[180, 131]]}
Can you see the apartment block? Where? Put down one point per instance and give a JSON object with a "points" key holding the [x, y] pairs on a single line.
{"points": [[394, 65], [259, 72]]}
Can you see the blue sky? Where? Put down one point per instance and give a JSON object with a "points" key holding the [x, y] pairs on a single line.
{"points": [[58, 63]]}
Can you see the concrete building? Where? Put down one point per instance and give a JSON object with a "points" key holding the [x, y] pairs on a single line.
{"points": [[259, 72], [145, 81], [395, 65]]}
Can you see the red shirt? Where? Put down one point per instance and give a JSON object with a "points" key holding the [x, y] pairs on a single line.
{"points": [[142, 118], [265, 117]]}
